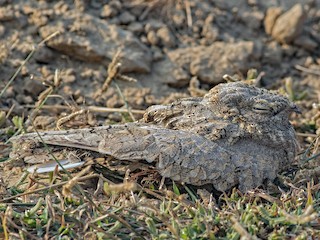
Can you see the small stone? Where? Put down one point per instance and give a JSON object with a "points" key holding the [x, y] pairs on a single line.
{"points": [[196, 28], [166, 37], [108, 11], [96, 4], [116, 117], [209, 63], [114, 102], [116, 4], [252, 2], [271, 16], [135, 27], [152, 38], [44, 55], [126, 18], [175, 75], [80, 100], [252, 19], [68, 76], [43, 122], [87, 44], [34, 87], [179, 18], [289, 25], [27, 100], [308, 61], [7, 13], [153, 25], [38, 19], [288, 50], [272, 53], [114, 21], [60, 8], [209, 31], [9, 93], [67, 90], [181, 76], [306, 42], [156, 54], [136, 8]]}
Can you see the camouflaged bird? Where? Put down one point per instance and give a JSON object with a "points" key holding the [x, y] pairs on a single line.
{"points": [[236, 134]]}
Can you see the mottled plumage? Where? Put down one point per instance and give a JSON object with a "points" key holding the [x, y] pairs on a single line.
{"points": [[235, 134]]}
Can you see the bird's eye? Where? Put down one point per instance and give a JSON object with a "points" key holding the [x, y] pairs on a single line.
{"points": [[261, 108]]}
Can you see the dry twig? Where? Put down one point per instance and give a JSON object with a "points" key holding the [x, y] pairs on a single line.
{"points": [[307, 70]]}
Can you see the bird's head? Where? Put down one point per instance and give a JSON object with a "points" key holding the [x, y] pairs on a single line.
{"points": [[251, 104]]}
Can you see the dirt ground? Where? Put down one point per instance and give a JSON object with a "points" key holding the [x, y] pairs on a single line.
{"points": [[162, 44], [61, 51]]}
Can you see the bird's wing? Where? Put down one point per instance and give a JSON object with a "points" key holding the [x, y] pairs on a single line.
{"points": [[182, 114], [180, 155]]}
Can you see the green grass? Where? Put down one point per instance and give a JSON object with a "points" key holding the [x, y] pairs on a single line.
{"points": [[131, 211]]}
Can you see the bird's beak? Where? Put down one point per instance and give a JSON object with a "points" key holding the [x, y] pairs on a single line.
{"points": [[295, 108]]}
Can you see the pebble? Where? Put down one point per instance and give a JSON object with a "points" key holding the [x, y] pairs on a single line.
{"points": [[289, 25], [126, 18], [166, 37], [271, 16]]}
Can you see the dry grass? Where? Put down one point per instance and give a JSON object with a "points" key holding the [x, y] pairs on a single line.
{"points": [[87, 205], [48, 206]]}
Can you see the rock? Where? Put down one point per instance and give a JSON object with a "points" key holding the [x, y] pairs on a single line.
{"points": [[306, 42], [166, 37], [271, 16], [210, 63], [90, 39], [34, 87], [38, 18], [290, 3], [179, 18], [135, 27], [153, 25], [24, 99], [111, 10], [152, 38], [209, 31], [230, 4], [136, 8], [169, 72], [42, 122], [126, 18], [252, 19], [272, 53], [289, 25], [308, 61], [7, 13], [44, 55], [157, 55], [116, 4], [68, 75], [107, 11]]}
